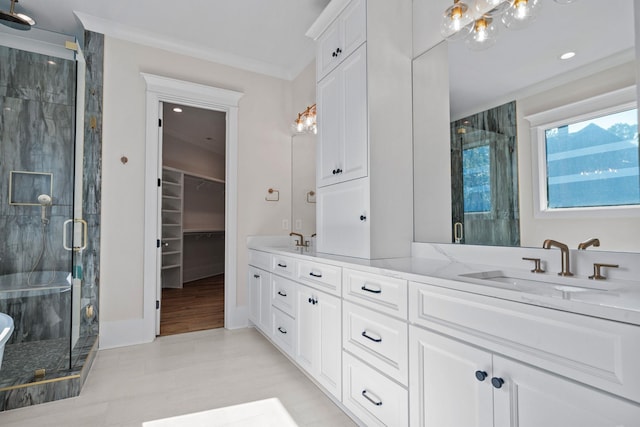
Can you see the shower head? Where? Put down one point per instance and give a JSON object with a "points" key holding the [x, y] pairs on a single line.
{"points": [[17, 21], [44, 200]]}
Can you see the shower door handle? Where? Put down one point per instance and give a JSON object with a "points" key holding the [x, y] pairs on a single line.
{"points": [[84, 234]]}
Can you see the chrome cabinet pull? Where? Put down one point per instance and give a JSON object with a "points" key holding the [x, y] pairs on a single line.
{"points": [[364, 334], [377, 402], [373, 291]]}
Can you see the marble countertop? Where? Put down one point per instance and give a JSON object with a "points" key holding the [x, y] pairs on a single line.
{"points": [[615, 299]]}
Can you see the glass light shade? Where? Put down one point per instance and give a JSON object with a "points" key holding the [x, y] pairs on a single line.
{"points": [[455, 21], [492, 7], [521, 14], [484, 34]]}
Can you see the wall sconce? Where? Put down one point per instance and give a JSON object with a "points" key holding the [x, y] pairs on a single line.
{"points": [[477, 24], [306, 121]]}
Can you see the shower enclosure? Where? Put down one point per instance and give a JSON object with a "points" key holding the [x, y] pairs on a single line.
{"points": [[48, 282]]}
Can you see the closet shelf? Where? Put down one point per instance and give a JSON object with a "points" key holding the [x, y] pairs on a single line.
{"points": [[171, 197], [202, 230], [171, 253], [167, 267]]}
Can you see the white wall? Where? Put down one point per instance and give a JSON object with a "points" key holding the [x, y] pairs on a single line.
{"points": [[263, 155]]}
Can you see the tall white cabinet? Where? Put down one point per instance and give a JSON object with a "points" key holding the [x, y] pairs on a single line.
{"points": [[364, 128]]}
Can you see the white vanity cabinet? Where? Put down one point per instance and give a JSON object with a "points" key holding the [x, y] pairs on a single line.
{"points": [[375, 339], [483, 361], [260, 298], [318, 337], [364, 106], [259, 282]]}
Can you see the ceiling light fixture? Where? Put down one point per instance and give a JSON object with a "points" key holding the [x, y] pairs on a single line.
{"points": [[484, 34], [17, 21], [306, 121], [567, 55], [478, 24], [521, 14], [177, 110], [456, 20]]}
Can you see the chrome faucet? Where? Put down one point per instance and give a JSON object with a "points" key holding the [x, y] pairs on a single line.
{"points": [[591, 242], [300, 242], [564, 250]]}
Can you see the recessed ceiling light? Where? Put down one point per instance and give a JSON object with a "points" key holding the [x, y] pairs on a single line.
{"points": [[177, 109], [567, 55], [564, 1]]}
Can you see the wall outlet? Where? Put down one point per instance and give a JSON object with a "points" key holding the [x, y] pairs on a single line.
{"points": [[285, 224]]}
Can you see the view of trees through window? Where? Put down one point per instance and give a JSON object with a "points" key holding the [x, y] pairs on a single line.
{"points": [[594, 162]]}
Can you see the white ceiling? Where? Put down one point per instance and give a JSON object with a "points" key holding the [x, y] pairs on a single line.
{"points": [[198, 126], [265, 36]]}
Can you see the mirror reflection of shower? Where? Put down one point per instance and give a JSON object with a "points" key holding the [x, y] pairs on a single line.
{"points": [[44, 200]]}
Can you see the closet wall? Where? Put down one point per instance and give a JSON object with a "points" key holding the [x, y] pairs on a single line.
{"points": [[201, 163]]}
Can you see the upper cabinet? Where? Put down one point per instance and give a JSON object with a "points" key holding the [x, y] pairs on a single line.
{"points": [[342, 37], [342, 121], [364, 104]]}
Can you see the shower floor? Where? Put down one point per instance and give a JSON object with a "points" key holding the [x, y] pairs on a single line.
{"points": [[21, 360]]}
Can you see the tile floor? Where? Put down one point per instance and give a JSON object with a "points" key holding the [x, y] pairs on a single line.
{"points": [[180, 374]]}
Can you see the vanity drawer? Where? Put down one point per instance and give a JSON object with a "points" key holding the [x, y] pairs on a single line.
{"points": [[260, 259], [324, 277], [598, 352], [283, 332], [283, 265], [377, 339], [283, 294], [386, 294], [372, 397]]}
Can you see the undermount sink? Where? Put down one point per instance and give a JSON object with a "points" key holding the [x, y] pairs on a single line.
{"points": [[540, 283]]}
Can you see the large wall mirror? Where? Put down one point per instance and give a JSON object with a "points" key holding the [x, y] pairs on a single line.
{"points": [[303, 183], [523, 66]]}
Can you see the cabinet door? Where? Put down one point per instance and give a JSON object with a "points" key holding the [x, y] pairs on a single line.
{"points": [[330, 110], [342, 121], [533, 398], [259, 298], [445, 389], [343, 222], [318, 348], [327, 49], [355, 125], [253, 279]]}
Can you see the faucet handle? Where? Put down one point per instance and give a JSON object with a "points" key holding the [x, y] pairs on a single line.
{"points": [[596, 270], [536, 266]]}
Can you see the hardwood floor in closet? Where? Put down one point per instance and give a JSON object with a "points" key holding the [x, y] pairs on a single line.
{"points": [[199, 305]]}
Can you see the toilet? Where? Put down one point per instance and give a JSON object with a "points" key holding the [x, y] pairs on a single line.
{"points": [[6, 329]]}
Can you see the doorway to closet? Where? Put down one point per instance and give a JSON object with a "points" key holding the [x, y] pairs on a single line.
{"points": [[192, 218]]}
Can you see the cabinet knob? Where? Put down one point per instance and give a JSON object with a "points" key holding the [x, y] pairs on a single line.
{"points": [[334, 54], [310, 301], [363, 217], [497, 382], [338, 51], [481, 375], [334, 172], [257, 276], [338, 171]]}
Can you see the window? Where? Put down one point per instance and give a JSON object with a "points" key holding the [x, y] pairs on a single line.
{"points": [[476, 174], [587, 157]]}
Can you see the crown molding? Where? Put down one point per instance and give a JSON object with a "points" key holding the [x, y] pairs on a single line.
{"points": [[328, 15], [146, 38]]}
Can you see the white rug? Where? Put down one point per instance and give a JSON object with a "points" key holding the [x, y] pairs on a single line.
{"points": [[262, 413]]}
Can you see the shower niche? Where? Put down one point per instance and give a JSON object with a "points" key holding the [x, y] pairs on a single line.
{"points": [[49, 260]]}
